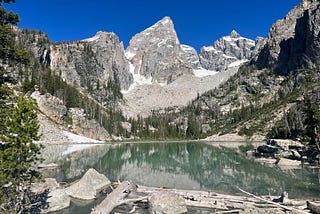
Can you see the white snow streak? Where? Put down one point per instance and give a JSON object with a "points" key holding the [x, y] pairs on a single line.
{"points": [[79, 139], [92, 39], [237, 63], [203, 72]]}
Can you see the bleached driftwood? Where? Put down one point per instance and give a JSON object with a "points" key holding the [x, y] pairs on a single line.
{"points": [[313, 207], [221, 203], [116, 198]]}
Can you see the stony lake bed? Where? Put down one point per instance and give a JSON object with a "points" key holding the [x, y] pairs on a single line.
{"points": [[194, 166]]}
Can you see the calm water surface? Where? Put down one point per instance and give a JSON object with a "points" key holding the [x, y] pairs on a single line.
{"points": [[194, 166]]}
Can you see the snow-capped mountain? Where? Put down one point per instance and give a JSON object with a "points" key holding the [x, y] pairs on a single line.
{"points": [[156, 55], [229, 51]]}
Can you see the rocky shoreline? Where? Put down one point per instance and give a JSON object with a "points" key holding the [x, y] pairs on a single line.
{"points": [[160, 200]]}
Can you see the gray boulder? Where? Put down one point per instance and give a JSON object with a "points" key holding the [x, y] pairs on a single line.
{"points": [[48, 184], [167, 203], [58, 200], [88, 186]]}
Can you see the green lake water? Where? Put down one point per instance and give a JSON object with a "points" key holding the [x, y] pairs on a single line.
{"points": [[195, 166]]}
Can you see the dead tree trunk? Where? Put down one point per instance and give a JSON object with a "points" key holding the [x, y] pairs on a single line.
{"points": [[115, 198]]}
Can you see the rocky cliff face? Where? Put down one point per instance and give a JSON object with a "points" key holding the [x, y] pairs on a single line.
{"points": [[156, 54], [84, 64], [229, 51], [293, 42], [262, 96], [91, 60], [190, 55]]}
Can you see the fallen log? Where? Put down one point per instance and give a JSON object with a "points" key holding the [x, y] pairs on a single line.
{"points": [[271, 202], [116, 198], [313, 207], [225, 203]]}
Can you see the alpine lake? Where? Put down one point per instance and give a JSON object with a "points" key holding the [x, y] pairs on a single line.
{"points": [[180, 165]]}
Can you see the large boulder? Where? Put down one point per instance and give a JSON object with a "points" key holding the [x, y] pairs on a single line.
{"points": [[57, 200], [267, 150], [49, 184], [285, 143], [88, 186], [167, 203]]}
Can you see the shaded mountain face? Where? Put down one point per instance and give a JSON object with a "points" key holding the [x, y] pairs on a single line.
{"points": [[229, 51], [81, 63], [91, 60], [293, 42], [156, 54]]}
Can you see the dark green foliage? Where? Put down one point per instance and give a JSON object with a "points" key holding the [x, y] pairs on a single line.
{"points": [[312, 123], [18, 126], [247, 147], [290, 126], [193, 130], [18, 153]]}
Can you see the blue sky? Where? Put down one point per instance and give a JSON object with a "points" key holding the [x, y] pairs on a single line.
{"points": [[197, 22]]}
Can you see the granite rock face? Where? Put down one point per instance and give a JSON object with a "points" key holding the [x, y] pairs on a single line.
{"points": [[85, 62], [229, 51], [156, 53], [87, 127], [293, 42], [51, 106], [80, 63], [190, 55]]}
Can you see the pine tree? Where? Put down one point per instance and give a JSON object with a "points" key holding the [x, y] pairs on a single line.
{"points": [[18, 153], [18, 124], [312, 123]]}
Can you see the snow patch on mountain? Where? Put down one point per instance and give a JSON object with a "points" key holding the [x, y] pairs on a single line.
{"points": [[237, 63], [201, 72], [229, 51]]}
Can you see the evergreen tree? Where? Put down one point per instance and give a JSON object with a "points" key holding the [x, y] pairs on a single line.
{"points": [[312, 123], [193, 130], [18, 124], [18, 153]]}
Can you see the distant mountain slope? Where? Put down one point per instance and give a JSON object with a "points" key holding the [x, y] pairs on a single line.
{"points": [[229, 51], [273, 93]]}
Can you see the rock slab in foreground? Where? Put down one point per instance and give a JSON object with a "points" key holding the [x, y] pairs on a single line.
{"points": [[58, 200], [115, 198], [48, 184], [167, 203], [88, 186]]}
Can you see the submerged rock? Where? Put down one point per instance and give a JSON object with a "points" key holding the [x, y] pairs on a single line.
{"points": [[167, 203], [88, 186]]}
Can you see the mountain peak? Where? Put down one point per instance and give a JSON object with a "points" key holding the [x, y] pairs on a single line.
{"points": [[165, 20], [164, 23], [234, 34]]}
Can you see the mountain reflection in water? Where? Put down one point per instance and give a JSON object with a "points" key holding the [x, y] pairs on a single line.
{"points": [[194, 166]]}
